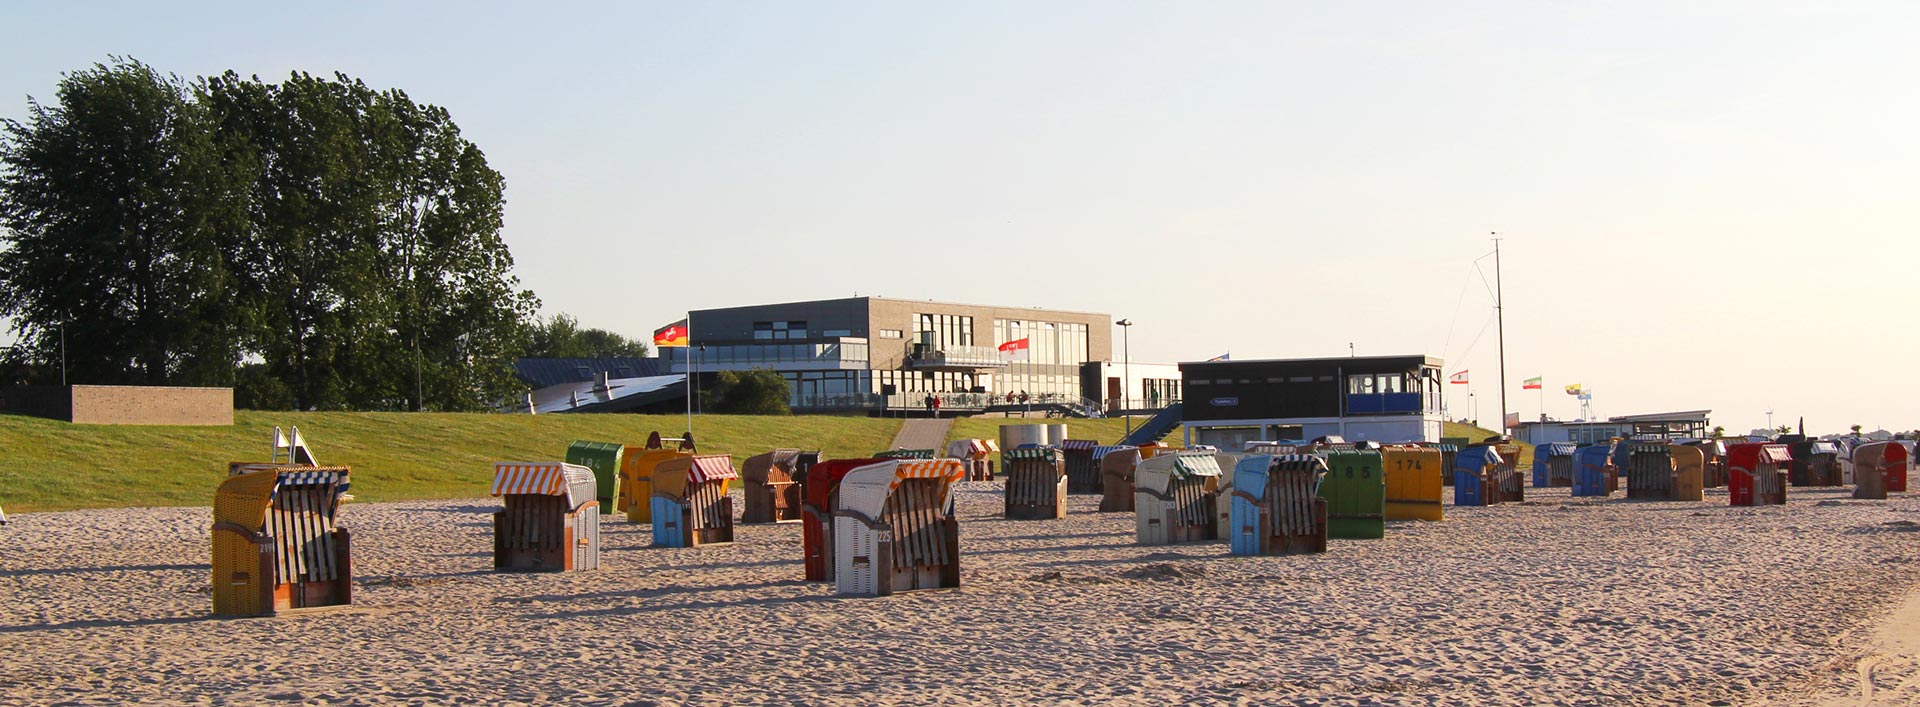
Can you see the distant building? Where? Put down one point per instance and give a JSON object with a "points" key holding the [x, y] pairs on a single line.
{"points": [[558, 385], [1116, 386], [1670, 425], [869, 354], [1378, 398]]}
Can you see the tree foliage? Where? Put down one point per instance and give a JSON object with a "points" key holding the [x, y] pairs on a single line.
{"points": [[562, 337], [340, 242], [121, 227], [756, 392]]}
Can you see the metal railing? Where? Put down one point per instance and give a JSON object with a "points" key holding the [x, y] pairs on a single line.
{"points": [[970, 356]]}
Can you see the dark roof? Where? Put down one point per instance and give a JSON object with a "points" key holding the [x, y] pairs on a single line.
{"points": [[544, 372], [1362, 363]]}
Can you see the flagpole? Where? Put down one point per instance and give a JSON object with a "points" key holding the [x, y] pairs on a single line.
{"points": [[1500, 315], [690, 372]]}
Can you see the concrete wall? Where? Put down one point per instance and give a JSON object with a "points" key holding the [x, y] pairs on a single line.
{"points": [[151, 405]]}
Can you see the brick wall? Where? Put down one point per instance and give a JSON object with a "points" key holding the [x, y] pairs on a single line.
{"points": [[151, 405]]}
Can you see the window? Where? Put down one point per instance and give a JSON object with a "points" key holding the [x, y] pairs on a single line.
{"points": [[892, 334], [837, 332]]}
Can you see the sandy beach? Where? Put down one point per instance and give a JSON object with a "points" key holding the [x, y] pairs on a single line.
{"points": [[1557, 601]]}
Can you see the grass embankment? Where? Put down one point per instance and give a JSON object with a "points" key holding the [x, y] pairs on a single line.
{"points": [[48, 465]]}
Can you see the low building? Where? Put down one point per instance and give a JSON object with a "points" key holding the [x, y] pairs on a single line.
{"points": [[1136, 387], [1377, 398], [1689, 424], [872, 354]]}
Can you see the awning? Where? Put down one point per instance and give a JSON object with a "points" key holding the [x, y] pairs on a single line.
{"points": [[1560, 449], [1103, 450], [1185, 465], [1776, 453], [711, 467], [1078, 445], [1045, 454], [930, 469], [1826, 448], [544, 479], [1290, 462]]}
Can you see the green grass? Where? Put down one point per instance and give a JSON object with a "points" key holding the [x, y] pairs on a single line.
{"points": [[48, 465]]}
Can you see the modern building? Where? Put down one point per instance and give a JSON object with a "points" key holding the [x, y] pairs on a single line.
{"points": [[870, 354], [1377, 398], [1137, 386], [1671, 425]]}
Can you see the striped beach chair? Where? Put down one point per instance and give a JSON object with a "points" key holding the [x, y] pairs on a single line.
{"points": [[690, 502], [770, 485], [1175, 498], [1757, 474], [1874, 463], [1036, 483], [1083, 472], [1277, 508], [1553, 464], [893, 530], [634, 496], [276, 547], [822, 490], [976, 455], [550, 520]]}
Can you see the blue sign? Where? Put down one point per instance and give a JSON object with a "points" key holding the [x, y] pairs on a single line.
{"points": [[1225, 402]]}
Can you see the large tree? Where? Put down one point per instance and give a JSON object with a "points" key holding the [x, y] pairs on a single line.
{"points": [[120, 222], [339, 244], [378, 258]]}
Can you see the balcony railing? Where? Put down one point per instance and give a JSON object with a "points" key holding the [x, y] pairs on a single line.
{"points": [[963, 357]]}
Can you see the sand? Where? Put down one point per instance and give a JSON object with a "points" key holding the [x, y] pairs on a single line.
{"points": [[1557, 601]]}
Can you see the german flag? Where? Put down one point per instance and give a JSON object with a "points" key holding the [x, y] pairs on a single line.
{"points": [[674, 334]]}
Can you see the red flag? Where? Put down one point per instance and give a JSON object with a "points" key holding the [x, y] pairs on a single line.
{"points": [[1015, 350], [1458, 378]]}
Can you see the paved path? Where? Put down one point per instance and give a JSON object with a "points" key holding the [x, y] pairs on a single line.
{"points": [[923, 434]]}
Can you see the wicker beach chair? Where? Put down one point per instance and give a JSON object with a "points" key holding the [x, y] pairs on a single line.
{"points": [[550, 521], [276, 547], [1175, 499], [690, 502], [1036, 483], [1413, 483], [893, 530], [1117, 468], [1276, 505]]}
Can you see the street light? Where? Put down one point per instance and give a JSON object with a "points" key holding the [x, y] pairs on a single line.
{"points": [[1126, 372]]}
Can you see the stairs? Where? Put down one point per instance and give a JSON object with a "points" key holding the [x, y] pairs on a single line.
{"points": [[1155, 427], [919, 433]]}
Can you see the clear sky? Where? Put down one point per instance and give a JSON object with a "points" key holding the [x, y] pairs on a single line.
{"points": [[1705, 204]]}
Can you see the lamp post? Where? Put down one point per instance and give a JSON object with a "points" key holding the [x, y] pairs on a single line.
{"points": [[1126, 372]]}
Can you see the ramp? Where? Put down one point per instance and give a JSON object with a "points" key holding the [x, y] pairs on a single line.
{"points": [[923, 434], [1155, 427]]}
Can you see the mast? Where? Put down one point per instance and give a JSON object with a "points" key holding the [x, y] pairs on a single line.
{"points": [[1500, 317]]}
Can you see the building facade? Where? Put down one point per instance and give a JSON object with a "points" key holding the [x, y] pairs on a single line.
{"points": [[875, 353], [1687, 424], [1377, 398]]}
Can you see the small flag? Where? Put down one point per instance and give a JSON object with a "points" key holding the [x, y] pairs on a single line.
{"points": [[1573, 389], [1530, 383], [674, 334], [1221, 357], [1458, 378], [1015, 350]]}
